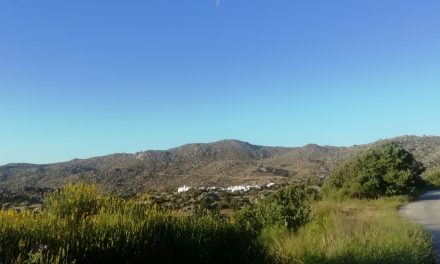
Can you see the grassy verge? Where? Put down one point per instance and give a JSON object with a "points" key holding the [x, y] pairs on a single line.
{"points": [[80, 225], [355, 231]]}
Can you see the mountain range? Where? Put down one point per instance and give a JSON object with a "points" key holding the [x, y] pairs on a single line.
{"points": [[221, 163]]}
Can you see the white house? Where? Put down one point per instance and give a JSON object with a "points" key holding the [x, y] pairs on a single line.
{"points": [[270, 184], [184, 188], [242, 188]]}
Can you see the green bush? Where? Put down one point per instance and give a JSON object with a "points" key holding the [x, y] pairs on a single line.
{"points": [[432, 178], [287, 207], [74, 202], [387, 169]]}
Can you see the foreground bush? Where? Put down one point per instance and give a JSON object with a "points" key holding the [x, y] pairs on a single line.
{"points": [[355, 231], [79, 225], [288, 207], [74, 202], [387, 169]]}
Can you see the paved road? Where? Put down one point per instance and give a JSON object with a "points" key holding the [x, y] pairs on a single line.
{"points": [[426, 212]]}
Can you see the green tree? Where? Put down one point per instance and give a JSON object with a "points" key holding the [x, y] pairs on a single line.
{"points": [[387, 169]]}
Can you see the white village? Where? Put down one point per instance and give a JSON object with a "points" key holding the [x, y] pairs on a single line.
{"points": [[237, 188]]}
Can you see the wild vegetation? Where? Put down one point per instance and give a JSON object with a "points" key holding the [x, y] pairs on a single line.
{"points": [[355, 231], [196, 201], [288, 207], [387, 169], [352, 224], [78, 224], [291, 224], [432, 178]]}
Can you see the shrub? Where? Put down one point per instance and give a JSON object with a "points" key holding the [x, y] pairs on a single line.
{"points": [[74, 202], [387, 169], [432, 177], [288, 207]]}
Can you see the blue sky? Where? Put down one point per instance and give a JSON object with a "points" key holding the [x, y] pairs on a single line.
{"points": [[87, 78]]}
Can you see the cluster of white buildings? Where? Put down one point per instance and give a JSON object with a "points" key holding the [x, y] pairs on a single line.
{"points": [[242, 188], [237, 188], [184, 188]]}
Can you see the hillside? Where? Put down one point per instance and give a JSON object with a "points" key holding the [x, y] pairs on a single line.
{"points": [[222, 163]]}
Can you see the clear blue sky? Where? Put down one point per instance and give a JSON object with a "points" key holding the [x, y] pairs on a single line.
{"points": [[85, 78]]}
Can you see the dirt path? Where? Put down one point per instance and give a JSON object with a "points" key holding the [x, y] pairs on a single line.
{"points": [[426, 212]]}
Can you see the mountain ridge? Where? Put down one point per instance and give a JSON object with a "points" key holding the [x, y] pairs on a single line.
{"points": [[220, 163]]}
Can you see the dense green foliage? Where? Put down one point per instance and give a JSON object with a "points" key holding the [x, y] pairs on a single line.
{"points": [[387, 169], [287, 207], [77, 224], [432, 178]]}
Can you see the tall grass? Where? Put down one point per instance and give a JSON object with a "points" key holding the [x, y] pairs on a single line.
{"points": [[355, 231], [78, 225]]}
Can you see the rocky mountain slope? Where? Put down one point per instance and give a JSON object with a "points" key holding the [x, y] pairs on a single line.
{"points": [[222, 163]]}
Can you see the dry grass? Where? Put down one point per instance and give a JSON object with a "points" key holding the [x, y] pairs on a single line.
{"points": [[355, 231]]}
